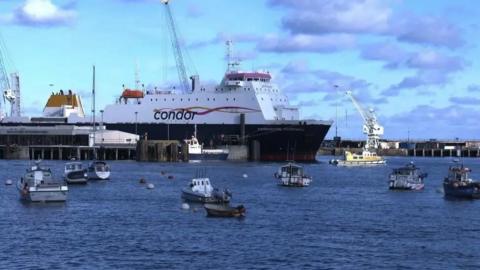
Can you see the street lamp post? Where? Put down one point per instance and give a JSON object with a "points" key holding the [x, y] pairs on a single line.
{"points": [[136, 130], [102, 127]]}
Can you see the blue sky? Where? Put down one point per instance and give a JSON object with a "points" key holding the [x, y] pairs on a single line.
{"points": [[415, 62]]}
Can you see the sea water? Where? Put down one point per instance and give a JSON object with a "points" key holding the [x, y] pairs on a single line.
{"points": [[347, 219]]}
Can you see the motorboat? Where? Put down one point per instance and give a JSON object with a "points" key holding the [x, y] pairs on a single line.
{"points": [[200, 190], [75, 173], [98, 170], [292, 175], [224, 210], [38, 185], [408, 177], [365, 158], [458, 184]]}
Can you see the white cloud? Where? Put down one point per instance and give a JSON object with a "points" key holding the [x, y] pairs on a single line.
{"points": [[42, 13]]}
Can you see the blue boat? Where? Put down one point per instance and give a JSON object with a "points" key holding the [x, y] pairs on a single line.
{"points": [[458, 184]]}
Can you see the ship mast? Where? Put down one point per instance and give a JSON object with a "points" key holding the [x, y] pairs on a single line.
{"points": [[231, 62], [93, 114]]}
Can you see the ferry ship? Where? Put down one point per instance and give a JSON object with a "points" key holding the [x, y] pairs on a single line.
{"points": [[245, 108]]}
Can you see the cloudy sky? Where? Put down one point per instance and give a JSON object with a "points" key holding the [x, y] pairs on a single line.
{"points": [[414, 62]]}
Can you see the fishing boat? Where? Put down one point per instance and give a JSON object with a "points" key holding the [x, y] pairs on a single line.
{"points": [[365, 158], [292, 175], [458, 184], [224, 210], [98, 170], [408, 177], [75, 173], [200, 190], [38, 185]]}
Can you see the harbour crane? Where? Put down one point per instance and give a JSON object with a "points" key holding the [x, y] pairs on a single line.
{"points": [[182, 73], [10, 89], [371, 127]]}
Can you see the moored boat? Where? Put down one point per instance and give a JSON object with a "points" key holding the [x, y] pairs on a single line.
{"points": [[408, 177], [98, 170], [292, 175], [201, 191], [365, 158], [38, 185], [196, 151], [458, 184], [75, 173], [224, 210]]}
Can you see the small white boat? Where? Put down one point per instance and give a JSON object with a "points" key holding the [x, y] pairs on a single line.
{"points": [[292, 175], [75, 173], [201, 191], [409, 177], [38, 185], [98, 170]]}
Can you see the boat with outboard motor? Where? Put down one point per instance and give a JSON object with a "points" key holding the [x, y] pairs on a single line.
{"points": [[292, 175], [75, 173], [458, 183], [408, 177], [200, 190], [38, 185], [98, 170]]}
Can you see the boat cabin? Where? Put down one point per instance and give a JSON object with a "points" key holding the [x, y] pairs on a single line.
{"points": [[409, 170], [459, 174], [291, 169], [194, 147], [201, 185], [73, 166]]}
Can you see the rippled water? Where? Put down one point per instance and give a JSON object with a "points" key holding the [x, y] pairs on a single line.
{"points": [[347, 219]]}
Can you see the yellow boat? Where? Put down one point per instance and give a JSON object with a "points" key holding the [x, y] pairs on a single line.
{"points": [[365, 158]]}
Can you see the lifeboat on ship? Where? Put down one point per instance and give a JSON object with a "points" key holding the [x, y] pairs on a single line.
{"points": [[129, 93]]}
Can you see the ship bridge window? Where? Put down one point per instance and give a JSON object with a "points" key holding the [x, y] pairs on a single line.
{"points": [[249, 79]]}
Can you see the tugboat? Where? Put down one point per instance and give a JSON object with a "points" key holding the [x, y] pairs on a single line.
{"points": [[292, 175], [75, 173], [409, 177], [38, 185], [458, 184], [201, 191], [364, 158]]}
